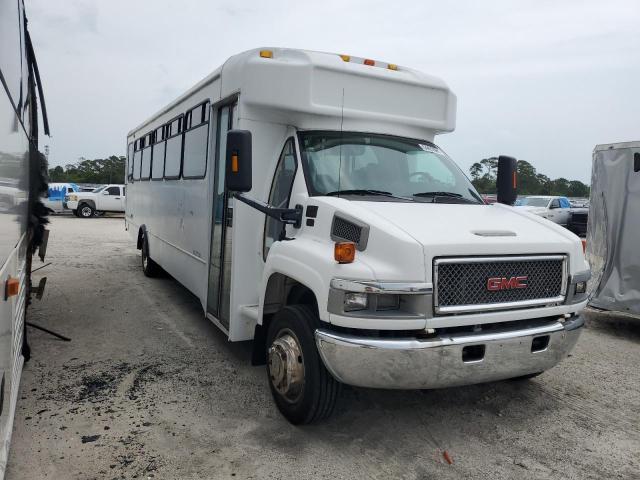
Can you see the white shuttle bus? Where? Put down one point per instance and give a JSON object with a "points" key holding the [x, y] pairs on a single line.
{"points": [[300, 196]]}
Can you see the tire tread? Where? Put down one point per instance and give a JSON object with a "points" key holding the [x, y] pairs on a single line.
{"points": [[328, 387]]}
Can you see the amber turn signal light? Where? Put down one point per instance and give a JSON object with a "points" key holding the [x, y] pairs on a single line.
{"points": [[11, 287], [344, 252]]}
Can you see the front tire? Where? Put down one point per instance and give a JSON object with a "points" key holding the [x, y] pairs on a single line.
{"points": [[75, 213], [86, 211], [149, 267], [302, 388]]}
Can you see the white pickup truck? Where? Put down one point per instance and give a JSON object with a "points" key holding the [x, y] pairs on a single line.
{"points": [[556, 209], [108, 198]]}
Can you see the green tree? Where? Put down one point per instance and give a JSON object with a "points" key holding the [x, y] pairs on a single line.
{"points": [[476, 171], [99, 170], [530, 182], [56, 174]]}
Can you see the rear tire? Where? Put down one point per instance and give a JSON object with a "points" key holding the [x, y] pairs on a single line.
{"points": [[302, 388], [149, 267], [85, 211]]}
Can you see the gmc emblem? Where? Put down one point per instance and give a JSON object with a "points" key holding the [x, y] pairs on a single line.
{"points": [[495, 284]]}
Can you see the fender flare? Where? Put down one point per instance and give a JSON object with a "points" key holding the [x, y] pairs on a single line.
{"points": [[302, 273]]}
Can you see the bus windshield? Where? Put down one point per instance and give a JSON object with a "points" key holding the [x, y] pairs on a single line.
{"points": [[383, 167]]}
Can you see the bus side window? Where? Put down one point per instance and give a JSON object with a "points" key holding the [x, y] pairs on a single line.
{"points": [[280, 193], [137, 157], [130, 161], [157, 166], [173, 150], [196, 141]]}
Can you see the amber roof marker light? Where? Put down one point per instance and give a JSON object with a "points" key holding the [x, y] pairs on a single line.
{"points": [[266, 53]]}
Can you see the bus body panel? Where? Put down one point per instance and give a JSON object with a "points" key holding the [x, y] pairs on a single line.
{"points": [[16, 141]]}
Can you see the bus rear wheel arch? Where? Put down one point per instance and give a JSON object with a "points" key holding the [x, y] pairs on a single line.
{"points": [[149, 267]]}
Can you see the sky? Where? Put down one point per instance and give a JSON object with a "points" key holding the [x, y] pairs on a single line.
{"points": [[543, 81]]}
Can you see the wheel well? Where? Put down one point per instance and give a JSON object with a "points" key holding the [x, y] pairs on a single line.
{"points": [[91, 203], [281, 291]]}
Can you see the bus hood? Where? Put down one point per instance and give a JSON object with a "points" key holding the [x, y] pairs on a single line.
{"points": [[461, 229]]}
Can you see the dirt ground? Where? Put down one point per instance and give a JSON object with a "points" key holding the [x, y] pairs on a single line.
{"points": [[148, 388]]}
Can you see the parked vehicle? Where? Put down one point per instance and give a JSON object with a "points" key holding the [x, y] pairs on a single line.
{"points": [[552, 208], [22, 215], [489, 199], [578, 220], [579, 202], [108, 198], [613, 233], [54, 199], [361, 253]]}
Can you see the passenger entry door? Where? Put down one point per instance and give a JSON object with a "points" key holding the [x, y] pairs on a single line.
{"points": [[219, 291]]}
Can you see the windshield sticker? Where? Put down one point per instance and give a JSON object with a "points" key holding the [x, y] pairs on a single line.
{"points": [[429, 148]]}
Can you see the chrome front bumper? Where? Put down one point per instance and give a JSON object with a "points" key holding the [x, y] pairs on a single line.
{"points": [[438, 362]]}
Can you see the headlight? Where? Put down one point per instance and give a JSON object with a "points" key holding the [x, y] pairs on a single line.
{"points": [[355, 301], [73, 198], [378, 302]]}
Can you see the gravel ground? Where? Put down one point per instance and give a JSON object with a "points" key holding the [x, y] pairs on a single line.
{"points": [[148, 388]]}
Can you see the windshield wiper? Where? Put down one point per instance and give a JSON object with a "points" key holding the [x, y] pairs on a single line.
{"points": [[437, 194], [380, 193], [451, 195]]}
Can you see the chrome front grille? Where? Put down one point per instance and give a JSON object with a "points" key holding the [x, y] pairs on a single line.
{"points": [[468, 284]]}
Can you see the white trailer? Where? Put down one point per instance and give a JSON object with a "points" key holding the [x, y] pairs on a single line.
{"points": [[613, 230], [361, 253]]}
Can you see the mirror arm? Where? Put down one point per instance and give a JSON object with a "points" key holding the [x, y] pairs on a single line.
{"points": [[289, 216]]}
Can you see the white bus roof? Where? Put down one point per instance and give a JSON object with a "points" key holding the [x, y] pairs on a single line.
{"points": [[316, 90]]}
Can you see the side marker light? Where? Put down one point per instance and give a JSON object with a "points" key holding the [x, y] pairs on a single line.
{"points": [[344, 252]]}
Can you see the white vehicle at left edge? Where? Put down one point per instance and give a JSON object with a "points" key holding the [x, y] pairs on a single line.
{"points": [[22, 214]]}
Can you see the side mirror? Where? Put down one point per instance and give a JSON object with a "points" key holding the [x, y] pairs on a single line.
{"points": [[506, 182], [104, 192], [238, 161]]}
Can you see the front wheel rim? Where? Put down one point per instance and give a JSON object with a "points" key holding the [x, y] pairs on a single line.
{"points": [[86, 211], [286, 366]]}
